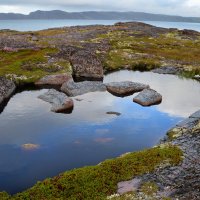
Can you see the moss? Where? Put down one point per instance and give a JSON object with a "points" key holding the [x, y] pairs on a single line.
{"points": [[27, 66], [98, 182], [4, 196], [149, 188]]}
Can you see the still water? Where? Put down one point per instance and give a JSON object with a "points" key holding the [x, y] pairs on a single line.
{"points": [[34, 25], [88, 135]]}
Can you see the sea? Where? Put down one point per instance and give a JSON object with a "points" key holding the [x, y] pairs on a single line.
{"points": [[35, 25]]}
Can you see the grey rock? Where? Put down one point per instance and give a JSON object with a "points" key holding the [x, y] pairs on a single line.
{"points": [[72, 88], [148, 97], [196, 115], [53, 80], [128, 186], [86, 66], [60, 102], [7, 87], [187, 123], [167, 70], [125, 88]]}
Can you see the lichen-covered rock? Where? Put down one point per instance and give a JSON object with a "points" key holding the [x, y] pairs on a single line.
{"points": [[60, 102], [72, 88], [7, 87], [86, 65], [125, 88], [148, 97], [53, 80]]}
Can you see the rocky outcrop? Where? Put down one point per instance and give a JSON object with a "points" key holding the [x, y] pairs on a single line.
{"points": [[148, 97], [72, 88], [60, 102], [167, 70], [86, 66], [125, 88], [53, 80], [174, 182], [7, 87]]}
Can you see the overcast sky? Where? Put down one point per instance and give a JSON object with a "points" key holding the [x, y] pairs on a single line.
{"points": [[172, 7]]}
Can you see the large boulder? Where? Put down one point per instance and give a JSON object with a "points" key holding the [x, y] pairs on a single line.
{"points": [[7, 87], [125, 88], [53, 80], [60, 102], [72, 88], [148, 97], [86, 66]]}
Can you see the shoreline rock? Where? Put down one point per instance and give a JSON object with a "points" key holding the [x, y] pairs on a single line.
{"points": [[148, 97], [53, 80], [60, 102], [86, 66], [125, 88], [7, 88], [167, 70], [176, 182]]}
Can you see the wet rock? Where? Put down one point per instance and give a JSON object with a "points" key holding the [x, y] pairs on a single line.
{"points": [[148, 97], [197, 77], [167, 70], [113, 113], [72, 88], [125, 88], [53, 80], [86, 66], [60, 102], [195, 115], [7, 87]]}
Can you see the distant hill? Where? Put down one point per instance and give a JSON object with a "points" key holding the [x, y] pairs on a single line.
{"points": [[93, 15]]}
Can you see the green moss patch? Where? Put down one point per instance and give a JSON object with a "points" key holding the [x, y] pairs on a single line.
{"points": [[98, 182], [26, 66]]}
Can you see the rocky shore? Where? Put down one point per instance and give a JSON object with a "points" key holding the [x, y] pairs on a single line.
{"points": [[175, 182]]}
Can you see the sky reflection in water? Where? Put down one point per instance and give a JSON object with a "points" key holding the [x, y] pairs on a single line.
{"points": [[88, 135]]}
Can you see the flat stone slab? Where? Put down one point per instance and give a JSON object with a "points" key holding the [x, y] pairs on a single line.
{"points": [[72, 88], [195, 115], [128, 186], [148, 97], [61, 103], [125, 88], [188, 123], [167, 70], [7, 87], [53, 80]]}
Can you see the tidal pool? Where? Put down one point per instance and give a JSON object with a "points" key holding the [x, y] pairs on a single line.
{"points": [[36, 143]]}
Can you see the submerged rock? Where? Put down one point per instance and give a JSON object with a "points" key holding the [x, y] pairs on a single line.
{"points": [[148, 97], [167, 70], [72, 88], [113, 113], [30, 147], [125, 88], [7, 87], [86, 65], [53, 80], [60, 102]]}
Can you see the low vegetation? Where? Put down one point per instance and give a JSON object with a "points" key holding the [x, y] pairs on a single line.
{"points": [[27, 66], [98, 182]]}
